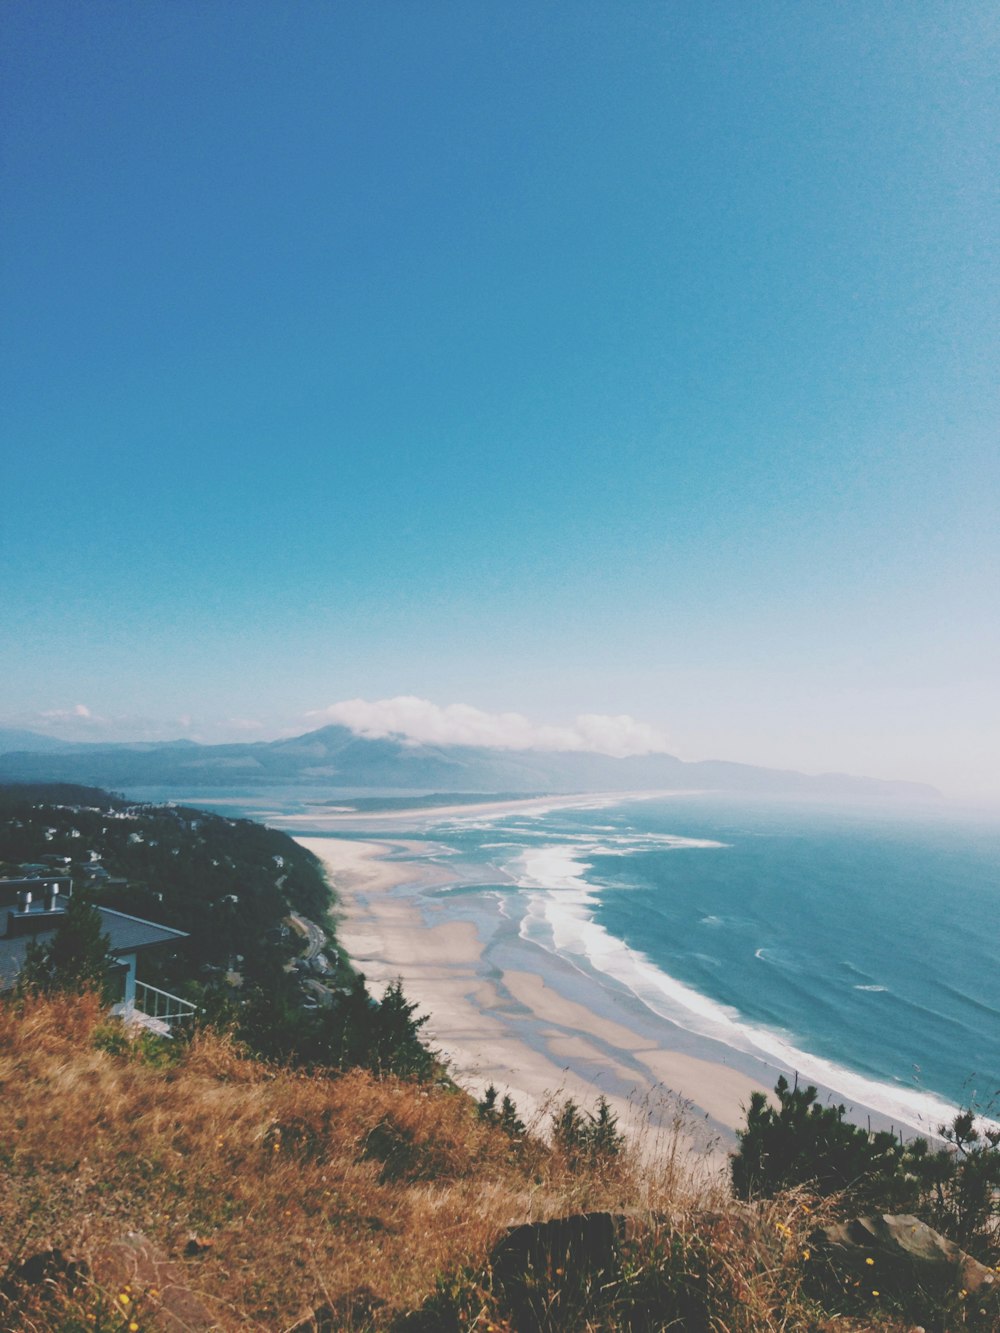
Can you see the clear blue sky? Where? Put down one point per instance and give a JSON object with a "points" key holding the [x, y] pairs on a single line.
{"points": [[561, 358]]}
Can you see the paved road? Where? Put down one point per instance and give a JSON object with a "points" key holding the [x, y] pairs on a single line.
{"points": [[314, 937]]}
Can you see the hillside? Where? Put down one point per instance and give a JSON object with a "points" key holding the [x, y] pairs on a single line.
{"points": [[229, 883], [194, 1188], [336, 757]]}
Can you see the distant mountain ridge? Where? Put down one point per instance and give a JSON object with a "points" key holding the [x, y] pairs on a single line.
{"points": [[338, 756]]}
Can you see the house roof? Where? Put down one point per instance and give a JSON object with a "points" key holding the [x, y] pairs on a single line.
{"points": [[126, 934]]}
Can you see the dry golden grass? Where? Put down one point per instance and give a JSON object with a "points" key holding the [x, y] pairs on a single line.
{"points": [[306, 1187], [303, 1189]]}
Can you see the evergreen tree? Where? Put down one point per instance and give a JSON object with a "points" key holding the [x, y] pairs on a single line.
{"points": [[585, 1136], [396, 1046], [77, 957], [802, 1142], [505, 1116]]}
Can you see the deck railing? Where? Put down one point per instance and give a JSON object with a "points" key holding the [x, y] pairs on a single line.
{"points": [[156, 1003]]}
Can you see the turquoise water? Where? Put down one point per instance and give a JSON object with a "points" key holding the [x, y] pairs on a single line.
{"points": [[857, 946], [839, 943]]}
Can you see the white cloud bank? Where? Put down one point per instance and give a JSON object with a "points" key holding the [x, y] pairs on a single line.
{"points": [[423, 722], [75, 714]]}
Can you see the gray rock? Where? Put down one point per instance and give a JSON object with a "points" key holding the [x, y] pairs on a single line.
{"points": [[901, 1255]]}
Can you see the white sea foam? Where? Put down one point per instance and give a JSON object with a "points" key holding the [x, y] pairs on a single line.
{"points": [[559, 916]]}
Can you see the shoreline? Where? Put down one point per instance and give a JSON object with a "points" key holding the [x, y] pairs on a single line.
{"points": [[504, 1011]]}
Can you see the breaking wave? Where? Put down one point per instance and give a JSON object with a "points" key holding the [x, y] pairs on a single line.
{"points": [[560, 917]]}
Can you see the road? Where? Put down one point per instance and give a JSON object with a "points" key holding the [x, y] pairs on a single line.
{"points": [[310, 932]]}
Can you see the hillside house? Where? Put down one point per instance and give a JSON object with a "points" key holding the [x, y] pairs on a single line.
{"points": [[32, 907]]}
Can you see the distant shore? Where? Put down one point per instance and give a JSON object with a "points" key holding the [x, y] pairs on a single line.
{"points": [[343, 817]]}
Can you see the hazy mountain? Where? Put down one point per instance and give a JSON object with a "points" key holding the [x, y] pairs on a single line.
{"points": [[14, 740], [337, 756], [32, 742]]}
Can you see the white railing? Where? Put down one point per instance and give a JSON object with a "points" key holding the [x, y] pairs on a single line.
{"points": [[160, 1004]]}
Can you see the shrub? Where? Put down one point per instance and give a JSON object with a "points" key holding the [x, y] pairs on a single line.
{"points": [[505, 1117], [584, 1136], [955, 1189], [801, 1142]]}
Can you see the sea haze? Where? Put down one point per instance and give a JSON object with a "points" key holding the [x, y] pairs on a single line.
{"points": [[856, 946]]}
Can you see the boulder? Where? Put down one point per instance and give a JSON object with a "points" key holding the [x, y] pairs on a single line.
{"points": [[900, 1255], [133, 1262], [137, 1262], [583, 1243], [39, 1274]]}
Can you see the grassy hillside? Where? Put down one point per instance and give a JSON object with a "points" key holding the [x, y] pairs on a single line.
{"points": [[274, 1195]]}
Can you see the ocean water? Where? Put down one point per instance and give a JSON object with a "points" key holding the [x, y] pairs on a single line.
{"points": [[858, 947]]}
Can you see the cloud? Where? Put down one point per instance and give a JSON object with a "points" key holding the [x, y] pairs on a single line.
{"points": [[64, 715], [78, 713], [423, 722]]}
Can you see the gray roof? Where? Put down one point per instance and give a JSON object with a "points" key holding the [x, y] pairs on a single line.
{"points": [[127, 934]]}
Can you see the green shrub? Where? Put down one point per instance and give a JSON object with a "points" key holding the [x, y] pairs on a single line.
{"points": [[584, 1136], [955, 1189], [505, 1116]]}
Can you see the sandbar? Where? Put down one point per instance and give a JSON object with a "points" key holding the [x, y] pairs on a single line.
{"points": [[341, 816]]}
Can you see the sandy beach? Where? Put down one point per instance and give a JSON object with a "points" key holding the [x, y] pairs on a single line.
{"points": [[335, 817], [506, 1012]]}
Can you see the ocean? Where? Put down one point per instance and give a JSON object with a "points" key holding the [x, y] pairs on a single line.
{"points": [[857, 946]]}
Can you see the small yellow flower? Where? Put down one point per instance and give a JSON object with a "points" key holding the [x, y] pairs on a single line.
{"points": [[123, 1298], [869, 1261], [805, 1254], [133, 1327], [874, 1293]]}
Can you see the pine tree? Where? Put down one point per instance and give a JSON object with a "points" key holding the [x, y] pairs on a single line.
{"points": [[77, 957]]}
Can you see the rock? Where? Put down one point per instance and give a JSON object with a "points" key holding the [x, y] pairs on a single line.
{"points": [[133, 1262], [572, 1255], [901, 1255], [46, 1267], [584, 1245], [136, 1262]]}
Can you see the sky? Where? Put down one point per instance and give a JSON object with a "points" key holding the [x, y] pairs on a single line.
{"points": [[633, 362]]}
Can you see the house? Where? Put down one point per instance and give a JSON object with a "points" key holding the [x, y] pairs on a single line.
{"points": [[32, 907]]}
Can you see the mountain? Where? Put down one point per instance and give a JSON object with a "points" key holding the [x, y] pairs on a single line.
{"points": [[32, 742], [337, 757]]}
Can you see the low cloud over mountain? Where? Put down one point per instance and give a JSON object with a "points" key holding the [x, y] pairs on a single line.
{"points": [[419, 721]]}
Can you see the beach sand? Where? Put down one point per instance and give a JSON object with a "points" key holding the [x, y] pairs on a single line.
{"points": [[343, 817], [503, 1011]]}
